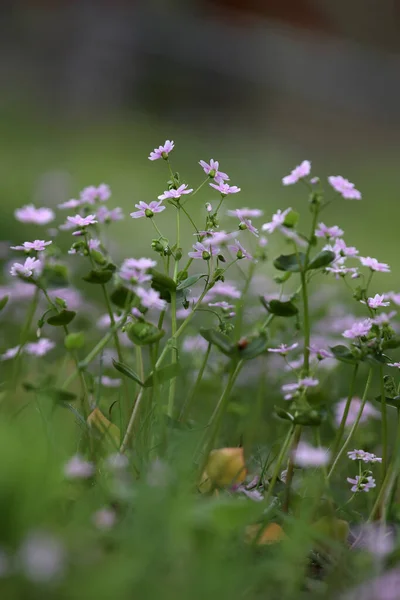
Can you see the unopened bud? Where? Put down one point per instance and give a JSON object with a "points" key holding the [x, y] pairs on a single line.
{"points": [[149, 213], [206, 255]]}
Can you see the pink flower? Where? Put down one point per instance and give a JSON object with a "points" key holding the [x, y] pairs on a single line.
{"points": [[40, 348], [344, 187], [222, 304], [341, 250], [110, 382], [245, 213], [246, 224], [339, 270], [355, 405], [283, 349], [90, 194], [358, 329], [328, 232], [182, 189], [278, 220], [162, 151], [105, 215], [362, 483], [78, 468], [223, 288], [194, 343], [142, 264], [30, 266], [377, 301], [31, 214], [209, 207], [298, 172], [104, 519], [10, 353], [147, 210], [37, 245], [150, 299], [212, 170], [306, 455], [204, 251], [240, 252], [366, 457], [225, 189], [42, 558], [306, 382], [395, 364], [374, 265], [394, 297], [70, 204], [82, 221], [218, 237]]}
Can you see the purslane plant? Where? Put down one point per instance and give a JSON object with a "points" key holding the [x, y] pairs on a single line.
{"points": [[154, 305]]}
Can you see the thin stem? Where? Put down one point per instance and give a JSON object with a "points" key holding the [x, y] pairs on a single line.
{"points": [[187, 405], [196, 190], [132, 421], [216, 418], [384, 426], [239, 314], [174, 353], [355, 424], [343, 421], [190, 218], [24, 336], [290, 469], [278, 465]]}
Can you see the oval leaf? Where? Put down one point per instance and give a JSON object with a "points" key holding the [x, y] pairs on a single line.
{"points": [[3, 302], [63, 318], [164, 374], [161, 281], [283, 414], [98, 276], [290, 262], [343, 354], [254, 348], [220, 340], [323, 259], [127, 371], [390, 401], [190, 281], [282, 309], [143, 333], [120, 296]]}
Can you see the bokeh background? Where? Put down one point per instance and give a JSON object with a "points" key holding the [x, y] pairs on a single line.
{"points": [[88, 88]]}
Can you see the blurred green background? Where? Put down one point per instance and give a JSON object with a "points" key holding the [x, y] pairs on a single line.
{"points": [[89, 89]]}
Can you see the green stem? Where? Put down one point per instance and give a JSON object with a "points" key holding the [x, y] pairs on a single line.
{"points": [[132, 421], [384, 426], [390, 477], [290, 469], [196, 190], [355, 424], [278, 465], [187, 405], [216, 418], [240, 308], [343, 421], [24, 336]]}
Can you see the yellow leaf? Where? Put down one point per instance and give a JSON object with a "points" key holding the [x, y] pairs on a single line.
{"points": [[271, 534], [226, 466], [108, 430]]}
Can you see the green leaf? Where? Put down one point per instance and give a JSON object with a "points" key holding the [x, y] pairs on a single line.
{"points": [[74, 341], [282, 278], [143, 333], [98, 257], [307, 417], [59, 395], [3, 302], [291, 219], [164, 374], [120, 296], [323, 259], [254, 348], [63, 318], [290, 262], [281, 309], [220, 340], [343, 354], [55, 275], [163, 284], [127, 371], [283, 414], [190, 281], [391, 344], [390, 401], [98, 276]]}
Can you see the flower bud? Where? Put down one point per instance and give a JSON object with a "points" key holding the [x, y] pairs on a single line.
{"points": [[206, 255], [149, 213]]}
